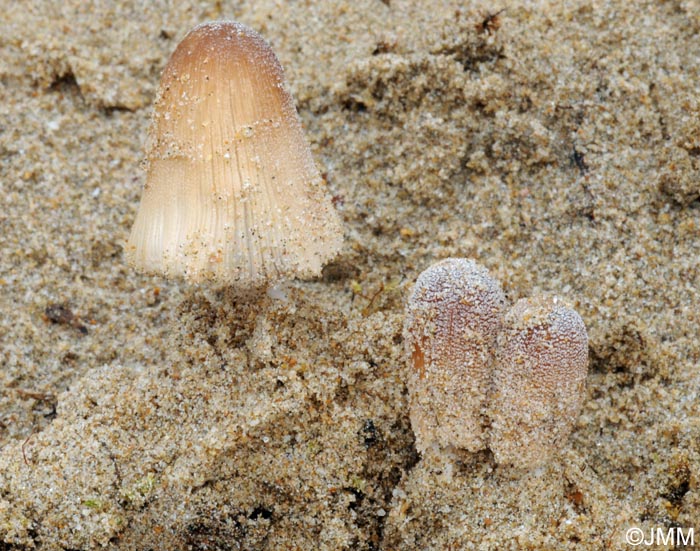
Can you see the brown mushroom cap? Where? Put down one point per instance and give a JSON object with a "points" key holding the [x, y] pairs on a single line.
{"points": [[232, 193]]}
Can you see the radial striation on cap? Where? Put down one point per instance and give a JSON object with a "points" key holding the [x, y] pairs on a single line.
{"points": [[453, 318], [232, 193], [539, 380]]}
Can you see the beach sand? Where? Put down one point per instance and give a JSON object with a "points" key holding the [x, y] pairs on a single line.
{"points": [[556, 143]]}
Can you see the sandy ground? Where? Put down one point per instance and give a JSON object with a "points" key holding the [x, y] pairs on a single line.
{"points": [[558, 144]]}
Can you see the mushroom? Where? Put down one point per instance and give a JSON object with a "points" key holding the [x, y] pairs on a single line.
{"points": [[232, 193], [539, 382], [453, 318]]}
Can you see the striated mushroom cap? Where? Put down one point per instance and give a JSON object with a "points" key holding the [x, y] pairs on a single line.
{"points": [[539, 380], [453, 318], [232, 193]]}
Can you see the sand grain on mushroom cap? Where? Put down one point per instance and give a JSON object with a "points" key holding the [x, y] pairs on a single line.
{"points": [[232, 192]]}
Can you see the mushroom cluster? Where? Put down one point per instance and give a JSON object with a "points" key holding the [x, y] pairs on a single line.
{"points": [[232, 195], [482, 375]]}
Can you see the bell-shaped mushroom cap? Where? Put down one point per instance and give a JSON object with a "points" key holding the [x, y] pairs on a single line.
{"points": [[232, 193]]}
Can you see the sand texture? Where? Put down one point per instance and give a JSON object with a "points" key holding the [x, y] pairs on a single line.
{"points": [[556, 143]]}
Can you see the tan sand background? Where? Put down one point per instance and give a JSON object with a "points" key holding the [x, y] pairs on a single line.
{"points": [[557, 143]]}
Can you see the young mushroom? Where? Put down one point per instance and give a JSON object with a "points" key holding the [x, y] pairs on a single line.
{"points": [[232, 194], [453, 318], [539, 380]]}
